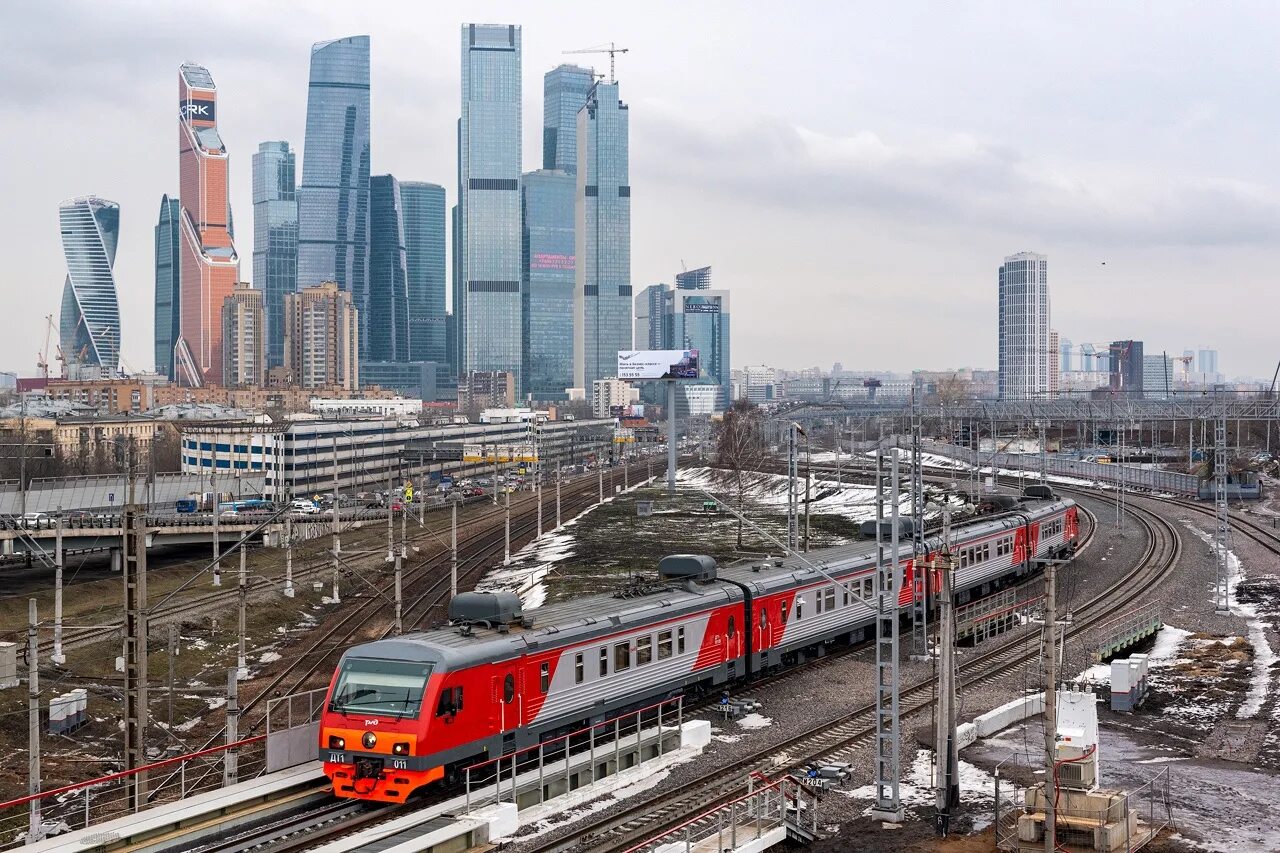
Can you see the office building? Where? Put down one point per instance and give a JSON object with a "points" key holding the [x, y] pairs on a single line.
{"points": [[486, 301], [424, 237], [610, 396], [1158, 378], [208, 264], [759, 384], [384, 316], [89, 328], [1207, 366], [322, 337], [1055, 363], [546, 289], [603, 293], [333, 199], [1126, 368], [416, 379], [1066, 360], [244, 339], [653, 317], [275, 237], [700, 320], [168, 295], [564, 93], [699, 279], [1024, 327], [487, 389]]}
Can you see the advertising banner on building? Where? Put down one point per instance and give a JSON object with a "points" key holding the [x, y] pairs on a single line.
{"points": [[658, 364]]}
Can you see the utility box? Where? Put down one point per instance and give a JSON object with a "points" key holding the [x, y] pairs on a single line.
{"points": [[8, 665]]}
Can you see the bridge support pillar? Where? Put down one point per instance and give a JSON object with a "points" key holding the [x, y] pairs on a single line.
{"points": [[117, 559]]}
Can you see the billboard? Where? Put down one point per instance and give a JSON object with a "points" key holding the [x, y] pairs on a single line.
{"points": [[197, 110], [658, 364]]}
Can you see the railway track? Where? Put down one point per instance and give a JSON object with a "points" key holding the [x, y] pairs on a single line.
{"points": [[835, 740]]}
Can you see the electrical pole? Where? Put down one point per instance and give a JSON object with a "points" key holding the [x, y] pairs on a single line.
{"points": [[288, 555], [671, 439], [173, 653], [506, 530], [213, 490], [230, 767], [793, 534], [134, 569], [453, 552], [390, 517], [919, 577], [808, 494], [1050, 705], [947, 754], [58, 657], [242, 596], [33, 721], [887, 587], [557, 497], [336, 536], [1222, 529]]}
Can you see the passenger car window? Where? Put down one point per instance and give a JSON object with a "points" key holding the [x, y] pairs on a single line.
{"points": [[664, 645], [604, 660], [579, 671], [644, 650], [621, 657]]}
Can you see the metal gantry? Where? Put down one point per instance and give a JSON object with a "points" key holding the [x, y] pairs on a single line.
{"points": [[1222, 531], [887, 586], [920, 597]]}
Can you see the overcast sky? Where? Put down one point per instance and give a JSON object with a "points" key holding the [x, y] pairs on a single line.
{"points": [[854, 172]]}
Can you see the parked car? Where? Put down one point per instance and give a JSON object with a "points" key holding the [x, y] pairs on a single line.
{"points": [[304, 507], [33, 520]]}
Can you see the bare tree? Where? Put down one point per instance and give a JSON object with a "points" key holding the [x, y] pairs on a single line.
{"points": [[740, 452]]}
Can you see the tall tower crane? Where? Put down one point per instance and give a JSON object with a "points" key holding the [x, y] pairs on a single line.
{"points": [[42, 357], [610, 49]]}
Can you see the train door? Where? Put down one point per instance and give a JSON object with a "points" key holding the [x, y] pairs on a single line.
{"points": [[507, 707], [733, 641], [1033, 541], [1020, 546]]}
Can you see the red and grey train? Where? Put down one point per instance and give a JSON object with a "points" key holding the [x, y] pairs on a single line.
{"points": [[405, 712]]}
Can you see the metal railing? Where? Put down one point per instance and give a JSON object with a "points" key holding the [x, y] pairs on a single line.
{"points": [[785, 803], [601, 740], [79, 805], [1127, 629]]}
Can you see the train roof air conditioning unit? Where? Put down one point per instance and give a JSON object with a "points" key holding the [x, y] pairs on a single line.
{"points": [[496, 610]]}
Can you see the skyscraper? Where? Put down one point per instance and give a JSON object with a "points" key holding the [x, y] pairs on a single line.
{"points": [[275, 237], [1207, 366], [333, 199], [244, 341], [322, 337], [209, 265], [1024, 327], [424, 238], [168, 295], [1065, 361], [89, 329], [384, 322], [699, 279], [1127, 368], [1055, 363], [603, 294], [564, 92], [548, 281], [653, 318], [487, 297], [700, 320]]}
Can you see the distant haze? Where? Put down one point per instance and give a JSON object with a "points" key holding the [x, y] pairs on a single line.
{"points": [[853, 172]]}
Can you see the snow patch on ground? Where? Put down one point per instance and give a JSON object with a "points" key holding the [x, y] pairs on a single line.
{"points": [[755, 721], [269, 657], [1264, 657], [977, 786]]}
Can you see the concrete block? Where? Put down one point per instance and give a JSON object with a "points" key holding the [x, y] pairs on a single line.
{"points": [[966, 735], [8, 665], [696, 734], [1009, 713], [503, 819]]}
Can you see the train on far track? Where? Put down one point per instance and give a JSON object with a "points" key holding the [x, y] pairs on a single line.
{"points": [[406, 712]]}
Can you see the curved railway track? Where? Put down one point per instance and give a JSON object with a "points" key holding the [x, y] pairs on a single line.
{"points": [[664, 810]]}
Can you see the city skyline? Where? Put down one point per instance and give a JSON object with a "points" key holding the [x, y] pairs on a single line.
{"points": [[954, 192]]}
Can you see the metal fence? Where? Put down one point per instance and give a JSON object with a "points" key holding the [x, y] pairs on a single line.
{"points": [[111, 491], [293, 729]]}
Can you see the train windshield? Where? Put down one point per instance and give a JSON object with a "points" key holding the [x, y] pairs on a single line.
{"points": [[385, 687]]}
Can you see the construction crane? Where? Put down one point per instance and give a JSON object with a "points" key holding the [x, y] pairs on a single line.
{"points": [[42, 357], [610, 49]]}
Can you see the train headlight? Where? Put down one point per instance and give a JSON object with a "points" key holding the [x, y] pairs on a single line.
{"points": [[400, 749], [336, 742], [369, 739]]}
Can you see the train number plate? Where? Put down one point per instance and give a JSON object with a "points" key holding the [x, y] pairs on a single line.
{"points": [[338, 758]]}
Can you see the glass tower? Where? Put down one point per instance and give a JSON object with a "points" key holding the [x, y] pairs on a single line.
{"points": [[384, 320], [424, 236], [1024, 327], [699, 279], [564, 92], [209, 265], [489, 311], [167, 292], [333, 199], [89, 329], [603, 292], [275, 237], [548, 280], [700, 320]]}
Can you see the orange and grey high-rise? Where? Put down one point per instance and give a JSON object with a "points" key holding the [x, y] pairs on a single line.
{"points": [[208, 264]]}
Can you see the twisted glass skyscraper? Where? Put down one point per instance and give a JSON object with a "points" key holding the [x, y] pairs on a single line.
{"points": [[603, 293], [424, 236], [90, 324], [168, 295], [487, 285], [384, 334], [275, 237], [564, 92], [333, 200]]}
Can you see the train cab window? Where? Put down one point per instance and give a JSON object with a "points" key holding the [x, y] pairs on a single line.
{"points": [[622, 656], [732, 630], [450, 701], [644, 650], [604, 661], [664, 645], [680, 641], [544, 677], [579, 670], [508, 689], [786, 611], [830, 595]]}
